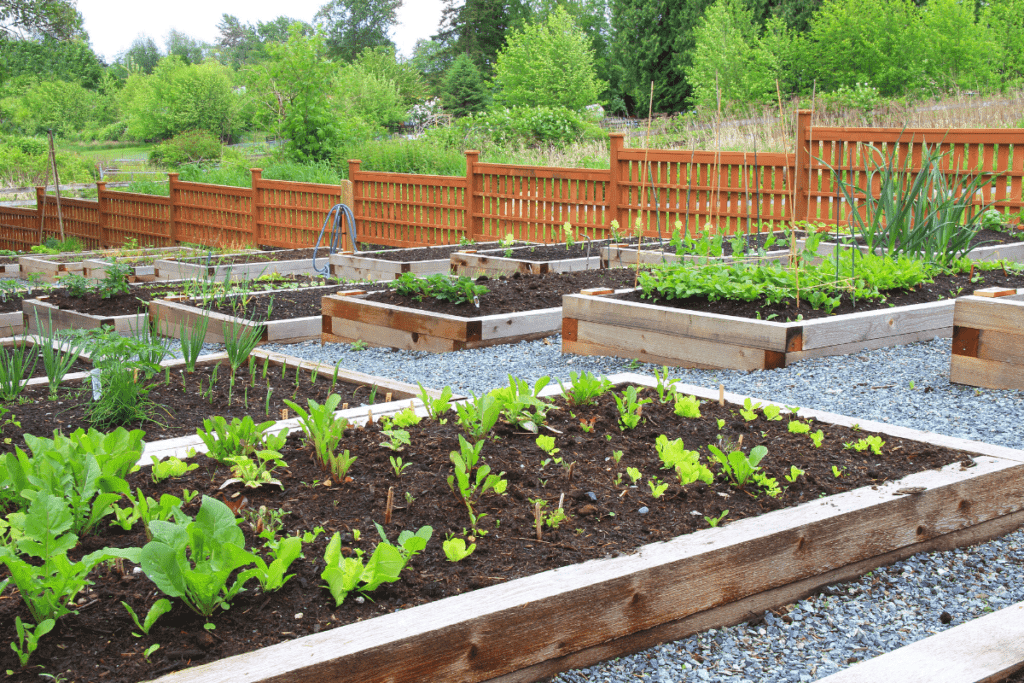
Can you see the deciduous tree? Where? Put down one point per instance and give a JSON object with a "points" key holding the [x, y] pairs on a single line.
{"points": [[350, 26]]}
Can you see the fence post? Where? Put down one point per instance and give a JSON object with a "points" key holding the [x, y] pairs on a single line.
{"points": [[802, 168], [41, 208], [474, 222], [347, 198], [172, 233], [617, 141], [101, 188], [257, 176]]}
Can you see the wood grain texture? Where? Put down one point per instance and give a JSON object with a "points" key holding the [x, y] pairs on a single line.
{"points": [[870, 344], [868, 325], [40, 315], [985, 649], [990, 374], [1001, 314]]}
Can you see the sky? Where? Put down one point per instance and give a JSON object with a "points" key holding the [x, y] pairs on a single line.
{"points": [[113, 24]]}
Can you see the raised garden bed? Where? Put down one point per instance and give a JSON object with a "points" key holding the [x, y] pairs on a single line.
{"points": [[991, 245], [988, 340], [535, 259], [9, 267], [140, 265], [40, 314], [47, 268], [294, 315], [531, 627], [391, 264], [186, 399], [245, 265], [625, 254], [611, 326], [516, 309]]}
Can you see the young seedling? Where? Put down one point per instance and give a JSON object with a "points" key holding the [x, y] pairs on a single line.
{"points": [[634, 474], [715, 521], [658, 487], [794, 474], [455, 549], [687, 406], [398, 466], [797, 427]]}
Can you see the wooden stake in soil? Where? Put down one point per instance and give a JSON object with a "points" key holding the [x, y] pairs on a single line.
{"points": [[568, 477], [391, 502], [344, 406], [387, 397], [56, 182], [536, 518], [721, 395], [284, 413]]}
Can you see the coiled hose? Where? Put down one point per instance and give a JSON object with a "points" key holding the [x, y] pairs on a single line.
{"points": [[334, 217]]}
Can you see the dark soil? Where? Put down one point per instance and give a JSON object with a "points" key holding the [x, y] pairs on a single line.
{"points": [[983, 238], [944, 287], [753, 243], [286, 304], [183, 403], [259, 257], [603, 520], [552, 252], [9, 260], [517, 292], [12, 302], [426, 253]]}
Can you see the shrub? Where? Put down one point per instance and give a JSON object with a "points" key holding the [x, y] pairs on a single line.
{"points": [[426, 155], [189, 147]]}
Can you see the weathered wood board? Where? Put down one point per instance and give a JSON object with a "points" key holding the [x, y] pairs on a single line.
{"points": [[1010, 252], [624, 255], [96, 268], [10, 270], [349, 266], [39, 315], [351, 318], [48, 270], [198, 269], [494, 263], [988, 648], [988, 342], [533, 627], [658, 334], [12, 323]]}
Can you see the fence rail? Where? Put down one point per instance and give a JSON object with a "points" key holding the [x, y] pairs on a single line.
{"points": [[648, 190]]}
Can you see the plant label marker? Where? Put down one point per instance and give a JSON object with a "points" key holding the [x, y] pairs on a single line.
{"points": [[721, 394], [284, 413], [391, 502], [387, 397], [536, 518], [344, 406]]}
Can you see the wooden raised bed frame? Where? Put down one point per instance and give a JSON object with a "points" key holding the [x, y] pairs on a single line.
{"points": [[669, 336], [173, 312], [349, 316], [48, 270], [625, 255], [63, 319], [494, 263], [175, 269], [988, 341], [348, 266], [575, 616]]}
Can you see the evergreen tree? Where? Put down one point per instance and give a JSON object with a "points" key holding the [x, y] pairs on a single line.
{"points": [[644, 47], [478, 28], [463, 91]]}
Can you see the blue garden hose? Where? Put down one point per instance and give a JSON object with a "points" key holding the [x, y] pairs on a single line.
{"points": [[337, 212]]}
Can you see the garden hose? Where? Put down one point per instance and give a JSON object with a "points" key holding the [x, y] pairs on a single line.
{"points": [[336, 213]]}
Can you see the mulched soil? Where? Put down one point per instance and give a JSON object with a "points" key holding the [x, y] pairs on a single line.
{"points": [[604, 520], [9, 259], [426, 253], [286, 305], [260, 257], [183, 403], [552, 252], [12, 302], [517, 292], [944, 287]]}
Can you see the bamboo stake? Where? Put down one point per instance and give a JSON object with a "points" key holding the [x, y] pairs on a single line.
{"points": [[390, 505], [536, 518], [56, 181], [643, 180]]}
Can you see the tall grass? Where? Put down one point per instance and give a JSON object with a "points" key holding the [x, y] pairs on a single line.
{"points": [[403, 156]]}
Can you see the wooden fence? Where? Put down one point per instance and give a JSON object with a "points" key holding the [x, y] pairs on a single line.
{"points": [[656, 190]]}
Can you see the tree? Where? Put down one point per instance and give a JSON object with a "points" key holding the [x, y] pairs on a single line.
{"points": [[240, 43], [57, 19], [548, 64], [142, 54], [728, 60], [350, 26], [189, 49], [382, 62], [50, 59], [478, 28], [178, 97], [64, 107], [1004, 19], [958, 50], [868, 41], [463, 91], [431, 61], [644, 47]]}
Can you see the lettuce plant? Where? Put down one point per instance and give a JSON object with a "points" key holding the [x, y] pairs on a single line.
{"points": [[478, 416], [737, 465], [630, 408], [473, 478], [455, 549], [322, 428], [687, 406], [687, 464], [241, 437], [346, 574], [585, 389], [522, 406]]}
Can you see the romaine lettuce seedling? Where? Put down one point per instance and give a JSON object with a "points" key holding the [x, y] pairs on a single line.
{"points": [[794, 474], [797, 427], [687, 406], [658, 487], [686, 463], [715, 521], [455, 549], [738, 465]]}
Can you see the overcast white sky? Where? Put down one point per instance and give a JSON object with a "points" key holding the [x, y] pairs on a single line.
{"points": [[114, 24]]}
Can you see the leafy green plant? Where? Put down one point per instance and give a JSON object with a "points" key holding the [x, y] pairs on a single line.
{"points": [[256, 472], [715, 521], [817, 438], [522, 406], [192, 338], [50, 581], [749, 410], [794, 474], [28, 638], [630, 408], [837, 471], [87, 469], [460, 290], [547, 444], [584, 388], [75, 285], [115, 280], [159, 608], [398, 466], [170, 467], [664, 384], [339, 464], [322, 428], [406, 418], [397, 439], [455, 549], [687, 406], [634, 474], [686, 464], [737, 465], [874, 443], [346, 574], [473, 478], [772, 412], [657, 487], [58, 357], [478, 415], [272, 577], [436, 407], [17, 363], [242, 437], [193, 560], [797, 427]]}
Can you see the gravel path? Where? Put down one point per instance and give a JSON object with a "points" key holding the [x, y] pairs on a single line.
{"points": [[884, 610]]}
